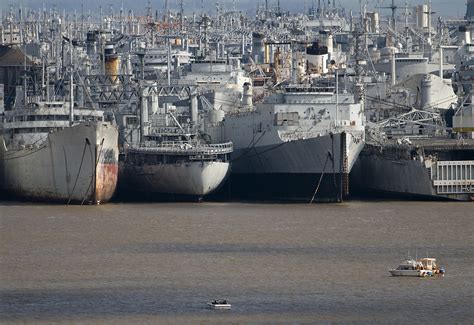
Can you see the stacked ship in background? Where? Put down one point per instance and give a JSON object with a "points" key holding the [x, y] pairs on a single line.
{"points": [[313, 106]]}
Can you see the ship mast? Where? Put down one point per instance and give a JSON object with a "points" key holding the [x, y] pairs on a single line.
{"points": [[71, 86], [25, 85]]}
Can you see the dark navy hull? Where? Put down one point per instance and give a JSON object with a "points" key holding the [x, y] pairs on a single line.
{"points": [[283, 187], [398, 172], [292, 170]]}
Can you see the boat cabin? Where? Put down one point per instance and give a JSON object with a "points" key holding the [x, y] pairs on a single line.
{"points": [[428, 263]]}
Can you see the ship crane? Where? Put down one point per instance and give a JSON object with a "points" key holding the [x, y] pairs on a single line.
{"points": [[422, 118]]}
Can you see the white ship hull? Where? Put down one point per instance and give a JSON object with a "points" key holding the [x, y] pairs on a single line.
{"points": [[77, 164], [415, 273], [218, 306], [190, 178]]}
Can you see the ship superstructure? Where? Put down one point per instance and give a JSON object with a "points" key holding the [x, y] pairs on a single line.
{"points": [[300, 141], [171, 158]]}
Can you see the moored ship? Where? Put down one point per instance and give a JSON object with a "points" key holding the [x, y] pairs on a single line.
{"points": [[423, 168], [422, 153], [300, 143], [44, 158], [171, 160]]}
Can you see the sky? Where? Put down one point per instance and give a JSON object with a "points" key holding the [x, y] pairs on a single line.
{"points": [[450, 8]]}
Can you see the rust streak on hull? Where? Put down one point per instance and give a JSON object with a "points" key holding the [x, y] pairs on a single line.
{"points": [[106, 182]]}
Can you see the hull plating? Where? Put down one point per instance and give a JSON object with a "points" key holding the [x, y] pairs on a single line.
{"points": [[286, 187], [378, 174], [405, 177], [196, 178], [292, 170], [73, 165]]}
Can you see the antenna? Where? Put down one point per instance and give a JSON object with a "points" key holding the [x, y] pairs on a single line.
{"points": [[181, 14], [407, 50], [392, 7], [71, 83], [25, 86], [166, 11], [148, 12], [429, 13], [168, 59], [82, 19]]}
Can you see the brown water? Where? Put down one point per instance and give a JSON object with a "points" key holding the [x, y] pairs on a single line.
{"points": [[276, 263]]}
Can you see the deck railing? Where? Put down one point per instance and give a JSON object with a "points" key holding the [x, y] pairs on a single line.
{"points": [[185, 148], [453, 177]]}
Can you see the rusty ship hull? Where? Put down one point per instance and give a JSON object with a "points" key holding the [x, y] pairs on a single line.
{"points": [[77, 164]]}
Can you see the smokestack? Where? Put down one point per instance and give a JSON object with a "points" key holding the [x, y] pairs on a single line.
{"points": [[441, 71], [143, 117], [426, 100], [393, 70], [464, 36], [257, 47], [194, 109], [469, 10]]}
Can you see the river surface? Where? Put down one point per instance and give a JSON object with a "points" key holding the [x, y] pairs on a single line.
{"points": [[275, 263]]}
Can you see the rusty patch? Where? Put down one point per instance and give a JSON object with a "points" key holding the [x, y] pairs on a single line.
{"points": [[106, 182]]}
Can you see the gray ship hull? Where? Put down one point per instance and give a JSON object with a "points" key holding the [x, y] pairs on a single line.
{"points": [[78, 164], [401, 173], [373, 174], [292, 170], [181, 179], [173, 170]]}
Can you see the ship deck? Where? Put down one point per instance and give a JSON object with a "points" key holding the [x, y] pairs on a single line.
{"points": [[445, 144], [433, 144]]}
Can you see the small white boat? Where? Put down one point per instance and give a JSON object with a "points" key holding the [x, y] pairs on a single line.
{"points": [[424, 267], [219, 304]]}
